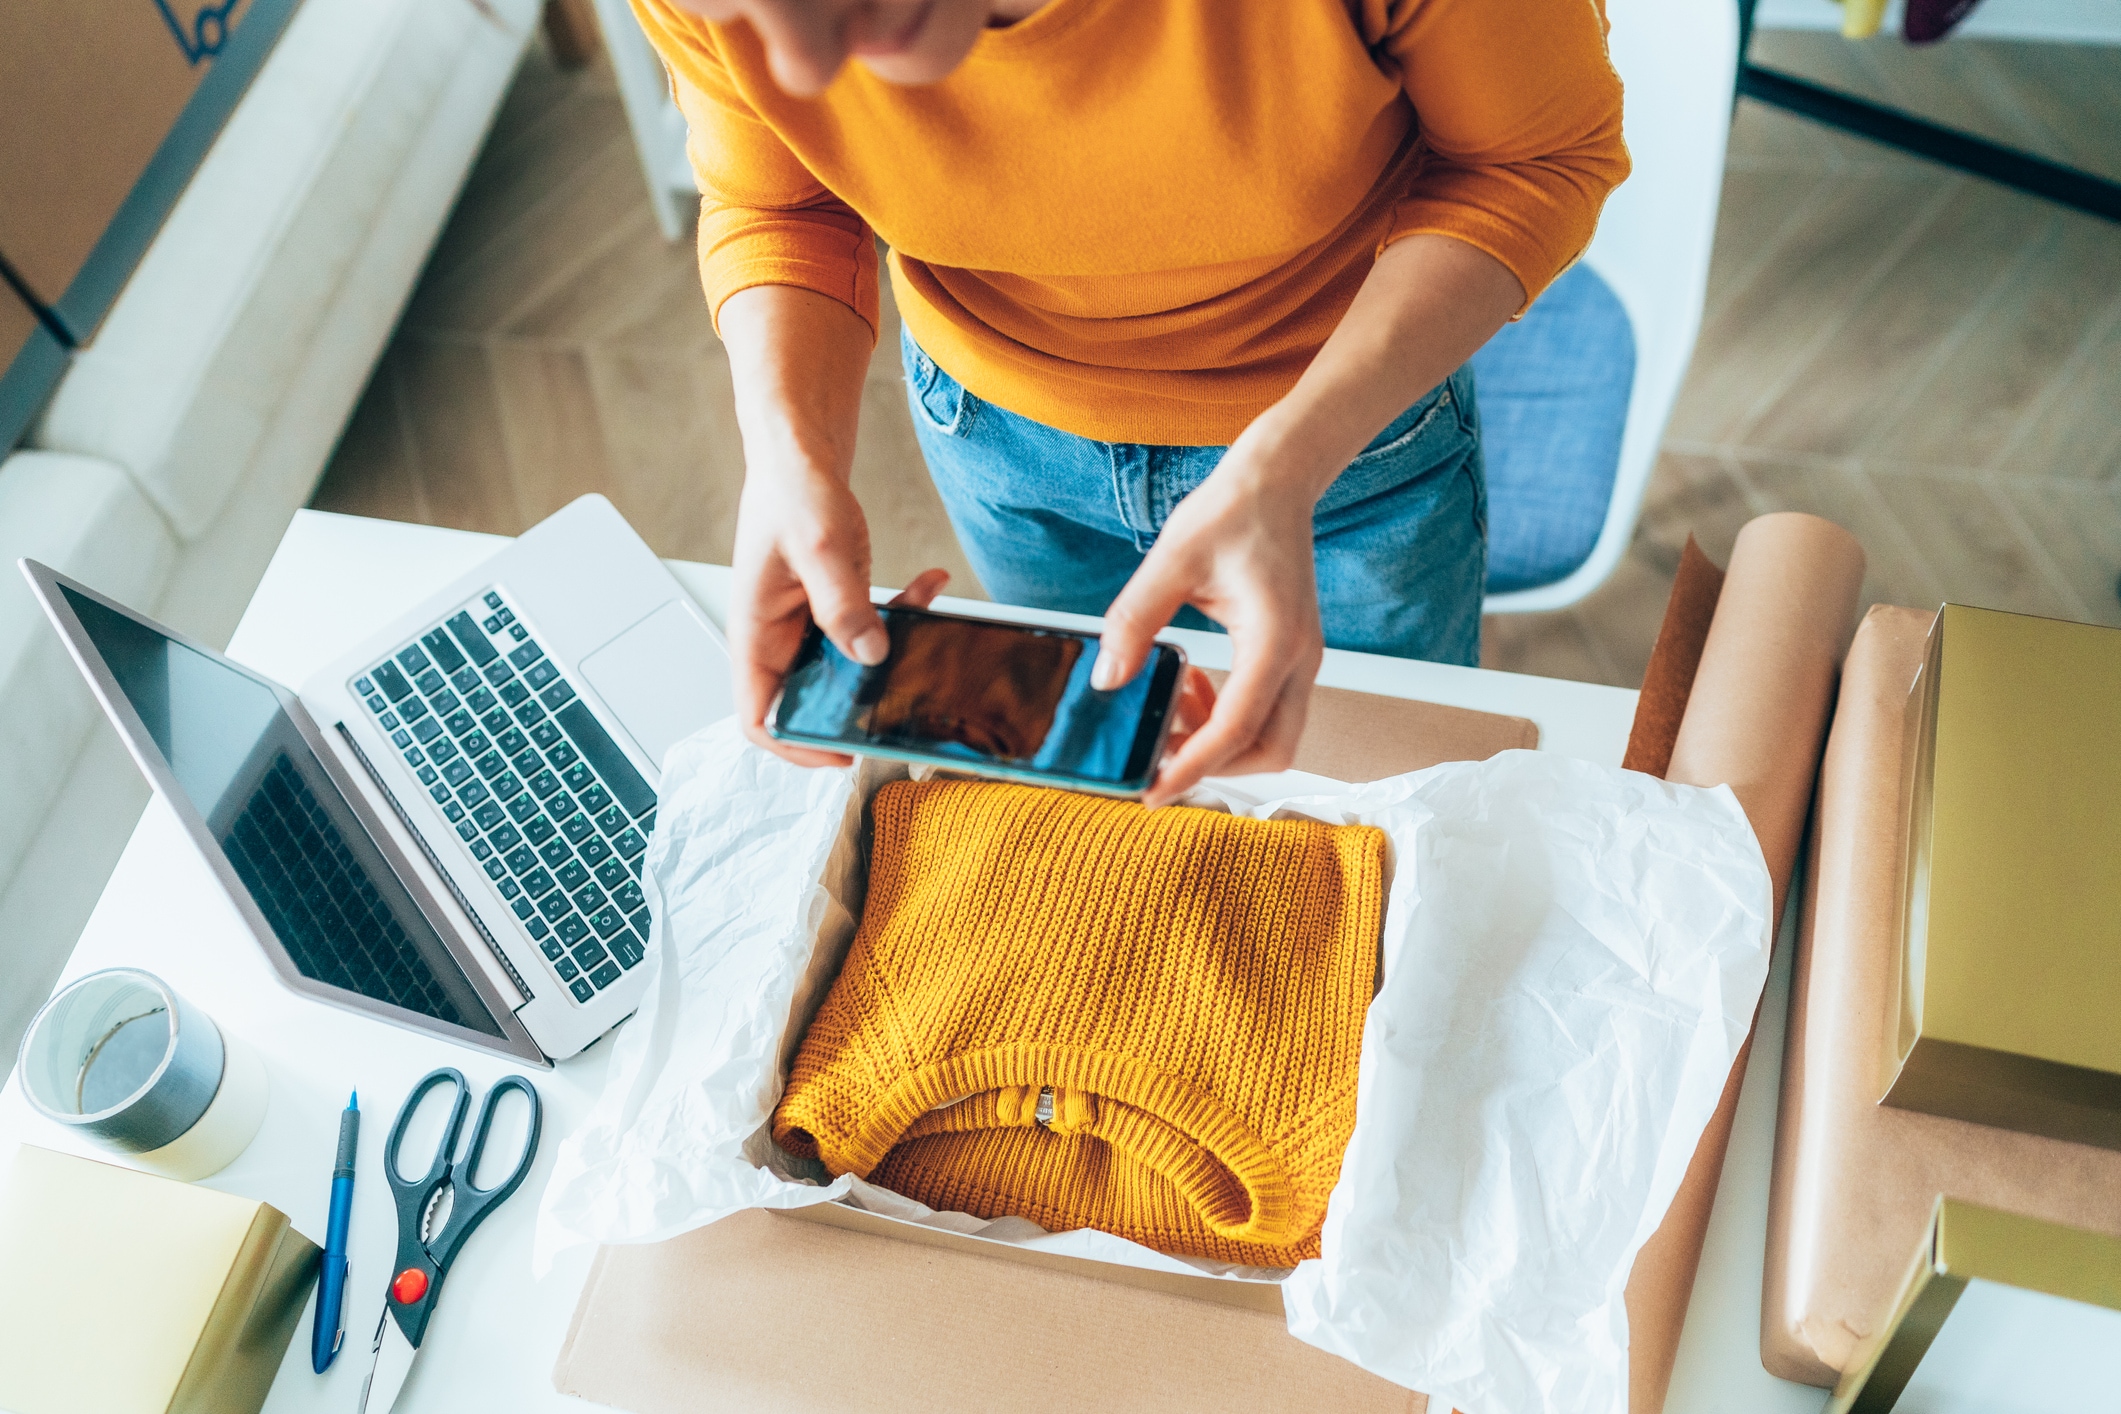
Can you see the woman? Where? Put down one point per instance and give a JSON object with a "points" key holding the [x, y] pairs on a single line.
{"points": [[1187, 288]]}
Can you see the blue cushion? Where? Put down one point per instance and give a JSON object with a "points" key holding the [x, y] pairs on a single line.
{"points": [[1553, 395]]}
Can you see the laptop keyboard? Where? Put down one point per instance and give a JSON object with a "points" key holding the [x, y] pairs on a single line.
{"points": [[539, 793]]}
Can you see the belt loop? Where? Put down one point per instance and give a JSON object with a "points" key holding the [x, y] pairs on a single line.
{"points": [[1130, 491]]}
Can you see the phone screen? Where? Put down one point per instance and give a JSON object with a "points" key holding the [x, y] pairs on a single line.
{"points": [[986, 694]]}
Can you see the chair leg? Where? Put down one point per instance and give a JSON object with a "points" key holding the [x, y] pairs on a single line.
{"points": [[571, 31]]}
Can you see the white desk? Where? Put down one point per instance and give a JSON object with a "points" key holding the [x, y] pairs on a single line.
{"points": [[497, 1331]]}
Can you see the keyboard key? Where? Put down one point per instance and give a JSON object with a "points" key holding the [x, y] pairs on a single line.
{"points": [[524, 805], [480, 849], [475, 644], [556, 854], [445, 702], [647, 823], [427, 729], [541, 673], [522, 859], [440, 794], [466, 680], [459, 722], [581, 989], [390, 721], [429, 682], [606, 921], [512, 742], [627, 897], [526, 655], [492, 623], [473, 794], [506, 785], [635, 865], [640, 924], [522, 906], [543, 784], [481, 702], [517, 632], [445, 653], [493, 599], [401, 738], [443, 750], [491, 764], [612, 875], [555, 908], [363, 687], [547, 734], [506, 616], [577, 828], [537, 883], [456, 812], [567, 970], [413, 756], [627, 950], [630, 844], [466, 830], [594, 850], [495, 868], [427, 775], [596, 800], [510, 888], [590, 953], [561, 805], [524, 759], [606, 975], [531, 715], [612, 821], [514, 692], [590, 899], [498, 671], [561, 757], [537, 928], [539, 830], [578, 776], [393, 682], [611, 764], [504, 839], [376, 703], [412, 709], [573, 874], [457, 771], [414, 661], [552, 947], [571, 928], [488, 815], [556, 696]]}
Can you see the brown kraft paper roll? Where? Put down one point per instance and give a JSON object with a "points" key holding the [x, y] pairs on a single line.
{"points": [[1754, 721], [1853, 1180]]}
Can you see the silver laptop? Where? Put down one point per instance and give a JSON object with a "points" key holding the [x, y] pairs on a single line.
{"points": [[446, 827]]}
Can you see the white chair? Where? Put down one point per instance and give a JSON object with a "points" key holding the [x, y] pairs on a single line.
{"points": [[1679, 61], [658, 126]]}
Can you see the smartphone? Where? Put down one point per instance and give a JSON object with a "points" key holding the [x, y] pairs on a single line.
{"points": [[996, 699]]}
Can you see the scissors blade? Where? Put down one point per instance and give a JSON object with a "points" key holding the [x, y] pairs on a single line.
{"points": [[392, 1355]]}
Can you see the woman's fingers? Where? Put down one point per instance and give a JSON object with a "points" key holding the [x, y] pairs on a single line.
{"points": [[1256, 720], [921, 592], [1144, 607]]}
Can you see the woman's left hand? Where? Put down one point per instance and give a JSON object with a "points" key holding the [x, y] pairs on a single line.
{"points": [[1239, 550]]}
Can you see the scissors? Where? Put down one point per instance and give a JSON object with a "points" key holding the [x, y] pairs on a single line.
{"points": [[425, 1252]]}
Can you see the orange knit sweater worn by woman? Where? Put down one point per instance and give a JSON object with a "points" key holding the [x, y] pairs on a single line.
{"points": [[1186, 286]]}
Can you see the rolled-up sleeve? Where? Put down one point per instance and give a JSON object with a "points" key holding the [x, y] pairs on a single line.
{"points": [[764, 218], [1519, 108]]}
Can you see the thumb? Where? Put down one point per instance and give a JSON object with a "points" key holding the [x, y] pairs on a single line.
{"points": [[1143, 609], [839, 604]]}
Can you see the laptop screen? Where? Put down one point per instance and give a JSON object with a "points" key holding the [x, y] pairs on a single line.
{"points": [[332, 899]]}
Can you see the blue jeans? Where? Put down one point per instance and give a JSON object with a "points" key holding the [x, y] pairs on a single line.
{"points": [[1055, 521]]}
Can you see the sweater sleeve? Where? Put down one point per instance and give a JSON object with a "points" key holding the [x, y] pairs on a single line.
{"points": [[764, 218], [1519, 108]]}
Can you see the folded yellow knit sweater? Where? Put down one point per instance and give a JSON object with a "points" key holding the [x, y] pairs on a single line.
{"points": [[1092, 1015]]}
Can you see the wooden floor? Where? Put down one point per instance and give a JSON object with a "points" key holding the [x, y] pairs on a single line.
{"points": [[1929, 360]]}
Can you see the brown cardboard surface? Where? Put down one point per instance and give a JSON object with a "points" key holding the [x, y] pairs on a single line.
{"points": [[760, 1313], [727, 1317], [1359, 736], [92, 88], [1668, 680], [1854, 1181]]}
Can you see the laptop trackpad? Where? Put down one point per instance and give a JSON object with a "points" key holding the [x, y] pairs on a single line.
{"points": [[664, 678]]}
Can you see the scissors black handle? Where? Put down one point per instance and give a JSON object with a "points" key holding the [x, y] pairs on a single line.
{"points": [[423, 1259]]}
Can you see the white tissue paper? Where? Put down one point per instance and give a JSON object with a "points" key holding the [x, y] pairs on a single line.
{"points": [[1571, 954]]}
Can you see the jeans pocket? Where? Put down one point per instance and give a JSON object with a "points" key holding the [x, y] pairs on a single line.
{"points": [[1431, 434], [937, 399]]}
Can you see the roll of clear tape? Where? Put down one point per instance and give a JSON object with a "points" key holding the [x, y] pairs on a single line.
{"points": [[119, 1058]]}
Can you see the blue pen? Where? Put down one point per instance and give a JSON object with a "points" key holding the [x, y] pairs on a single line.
{"points": [[331, 1286]]}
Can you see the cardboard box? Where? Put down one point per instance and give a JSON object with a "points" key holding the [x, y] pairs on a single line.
{"points": [[126, 1293], [2010, 963], [1854, 1181], [1998, 1312], [110, 107], [31, 363]]}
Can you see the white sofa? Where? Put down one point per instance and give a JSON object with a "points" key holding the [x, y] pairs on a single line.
{"points": [[180, 444]]}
